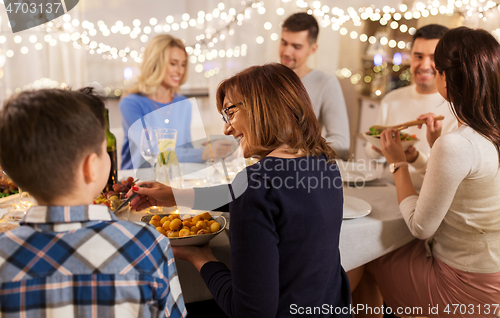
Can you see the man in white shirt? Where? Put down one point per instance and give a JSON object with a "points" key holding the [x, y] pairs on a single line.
{"points": [[298, 41], [408, 103]]}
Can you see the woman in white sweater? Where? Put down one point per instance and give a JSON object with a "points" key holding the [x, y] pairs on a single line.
{"points": [[453, 268]]}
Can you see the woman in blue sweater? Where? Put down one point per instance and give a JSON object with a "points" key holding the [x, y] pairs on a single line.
{"points": [[153, 103], [285, 212]]}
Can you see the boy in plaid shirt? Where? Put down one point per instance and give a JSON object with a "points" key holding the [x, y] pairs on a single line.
{"points": [[70, 258]]}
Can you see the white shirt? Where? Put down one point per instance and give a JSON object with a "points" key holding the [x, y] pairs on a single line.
{"points": [[458, 209], [329, 106]]}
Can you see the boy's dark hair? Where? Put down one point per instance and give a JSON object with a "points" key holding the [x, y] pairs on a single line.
{"points": [[45, 134], [301, 22], [430, 32]]}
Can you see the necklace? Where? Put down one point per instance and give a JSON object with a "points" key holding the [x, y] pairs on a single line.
{"points": [[171, 106]]}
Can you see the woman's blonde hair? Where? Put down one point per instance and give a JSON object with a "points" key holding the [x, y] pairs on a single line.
{"points": [[279, 110], [154, 64]]}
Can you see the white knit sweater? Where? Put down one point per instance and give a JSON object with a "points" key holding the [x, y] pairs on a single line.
{"points": [[458, 209]]}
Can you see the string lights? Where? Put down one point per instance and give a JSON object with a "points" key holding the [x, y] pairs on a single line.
{"points": [[62, 31], [204, 49], [334, 17]]}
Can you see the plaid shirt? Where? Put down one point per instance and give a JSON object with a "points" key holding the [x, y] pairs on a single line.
{"points": [[82, 262]]}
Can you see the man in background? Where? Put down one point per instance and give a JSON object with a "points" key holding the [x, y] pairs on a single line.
{"points": [[422, 97], [298, 42]]}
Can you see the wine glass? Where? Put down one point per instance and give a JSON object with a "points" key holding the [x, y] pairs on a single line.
{"points": [[149, 146]]}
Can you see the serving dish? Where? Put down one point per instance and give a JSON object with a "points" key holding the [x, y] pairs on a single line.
{"points": [[193, 240], [375, 141]]}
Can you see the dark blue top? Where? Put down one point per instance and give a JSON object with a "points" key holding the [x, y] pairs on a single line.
{"points": [[284, 231]]}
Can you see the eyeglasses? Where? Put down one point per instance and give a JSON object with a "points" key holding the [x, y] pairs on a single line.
{"points": [[227, 114]]}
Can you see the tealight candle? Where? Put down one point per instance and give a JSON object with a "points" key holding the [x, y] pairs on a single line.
{"points": [[155, 209]]}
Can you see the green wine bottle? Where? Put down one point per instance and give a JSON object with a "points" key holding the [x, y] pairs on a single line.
{"points": [[111, 148]]}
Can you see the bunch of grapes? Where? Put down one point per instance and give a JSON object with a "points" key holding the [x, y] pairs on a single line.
{"points": [[123, 186]]}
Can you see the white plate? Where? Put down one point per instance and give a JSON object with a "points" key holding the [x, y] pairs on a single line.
{"points": [[355, 208], [356, 172]]}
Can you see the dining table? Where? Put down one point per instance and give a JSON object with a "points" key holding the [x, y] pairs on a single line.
{"points": [[362, 239]]}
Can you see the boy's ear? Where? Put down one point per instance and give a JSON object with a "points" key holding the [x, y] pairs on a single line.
{"points": [[90, 168]]}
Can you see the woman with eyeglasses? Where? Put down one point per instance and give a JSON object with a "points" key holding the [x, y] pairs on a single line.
{"points": [[285, 210]]}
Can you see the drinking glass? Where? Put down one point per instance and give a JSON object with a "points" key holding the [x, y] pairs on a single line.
{"points": [[239, 160], [149, 146], [149, 151], [167, 169], [213, 173]]}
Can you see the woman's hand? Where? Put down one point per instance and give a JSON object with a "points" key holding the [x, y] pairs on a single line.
{"points": [[155, 194], [391, 147], [434, 127], [198, 256], [411, 154]]}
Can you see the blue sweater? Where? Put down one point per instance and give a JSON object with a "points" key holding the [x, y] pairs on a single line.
{"points": [[284, 232], [135, 107]]}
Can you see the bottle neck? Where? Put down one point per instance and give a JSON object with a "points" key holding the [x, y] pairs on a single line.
{"points": [[111, 140], [106, 116]]}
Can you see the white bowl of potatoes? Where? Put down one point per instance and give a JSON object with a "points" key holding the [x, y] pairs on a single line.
{"points": [[194, 230]]}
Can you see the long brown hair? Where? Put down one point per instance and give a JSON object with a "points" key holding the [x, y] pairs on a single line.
{"points": [[278, 108], [470, 60]]}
